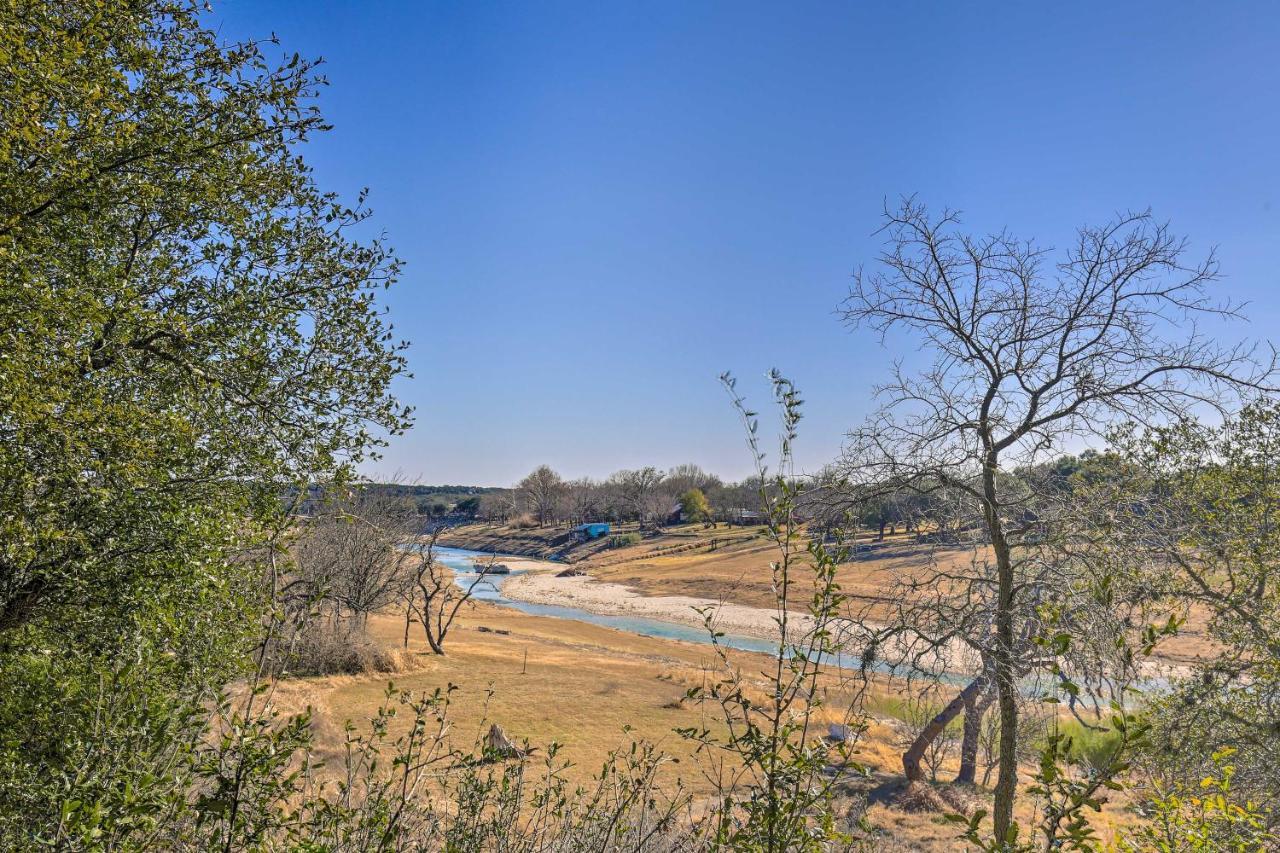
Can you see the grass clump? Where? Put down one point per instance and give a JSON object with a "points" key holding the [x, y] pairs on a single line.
{"points": [[622, 540]]}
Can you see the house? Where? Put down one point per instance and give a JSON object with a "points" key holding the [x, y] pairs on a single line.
{"points": [[593, 530], [746, 517]]}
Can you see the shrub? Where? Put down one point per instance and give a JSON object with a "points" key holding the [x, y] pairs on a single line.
{"points": [[622, 540], [327, 647], [1210, 816], [524, 521]]}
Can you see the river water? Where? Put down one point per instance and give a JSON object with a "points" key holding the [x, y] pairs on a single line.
{"points": [[462, 561]]}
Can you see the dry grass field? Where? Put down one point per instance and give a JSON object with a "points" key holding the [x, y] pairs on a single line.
{"points": [[581, 685]]}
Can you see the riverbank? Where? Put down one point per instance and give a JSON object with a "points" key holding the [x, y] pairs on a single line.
{"points": [[539, 582], [535, 544], [668, 573], [540, 585]]}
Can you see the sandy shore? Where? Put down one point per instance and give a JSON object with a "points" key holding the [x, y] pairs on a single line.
{"points": [[539, 585]]}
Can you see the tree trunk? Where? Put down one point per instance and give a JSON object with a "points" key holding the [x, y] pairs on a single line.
{"points": [[1003, 657], [911, 758], [498, 745], [435, 641], [974, 709]]}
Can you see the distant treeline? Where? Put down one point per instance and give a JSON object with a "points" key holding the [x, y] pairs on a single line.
{"points": [[432, 501], [419, 491]]}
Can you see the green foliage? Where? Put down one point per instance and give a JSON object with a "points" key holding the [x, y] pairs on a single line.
{"points": [[1208, 817], [622, 540], [1069, 784], [694, 506], [1216, 491], [1091, 746], [469, 506], [186, 324], [188, 332]]}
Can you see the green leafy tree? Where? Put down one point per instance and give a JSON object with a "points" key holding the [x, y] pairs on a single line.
{"points": [[189, 332], [694, 505]]}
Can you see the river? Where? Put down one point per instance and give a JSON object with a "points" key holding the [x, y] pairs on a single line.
{"points": [[463, 562]]}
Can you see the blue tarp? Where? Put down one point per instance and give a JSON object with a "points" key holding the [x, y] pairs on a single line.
{"points": [[592, 531]]}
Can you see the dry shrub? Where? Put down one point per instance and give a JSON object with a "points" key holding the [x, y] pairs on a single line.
{"points": [[940, 799], [963, 799], [324, 647], [524, 521], [920, 797]]}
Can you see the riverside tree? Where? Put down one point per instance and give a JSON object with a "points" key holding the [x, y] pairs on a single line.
{"points": [[434, 595], [1030, 351], [583, 500], [542, 491], [639, 494], [190, 334], [348, 557]]}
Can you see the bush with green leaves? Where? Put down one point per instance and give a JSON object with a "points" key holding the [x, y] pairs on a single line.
{"points": [[776, 775], [623, 540], [1210, 816], [1196, 514]]}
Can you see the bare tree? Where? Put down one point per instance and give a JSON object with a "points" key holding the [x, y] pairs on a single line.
{"points": [[497, 506], [639, 492], [682, 478], [732, 498], [542, 490], [436, 595], [348, 556], [1079, 613], [583, 500], [1029, 354]]}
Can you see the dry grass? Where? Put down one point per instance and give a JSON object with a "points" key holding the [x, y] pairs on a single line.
{"points": [[584, 683], [594, 689], [323, 647]]}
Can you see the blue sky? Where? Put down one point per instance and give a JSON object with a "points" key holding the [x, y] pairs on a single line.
{"points": [[602, 206]]}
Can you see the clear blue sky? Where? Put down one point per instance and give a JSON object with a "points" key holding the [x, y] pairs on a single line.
{"points": [[604, 205]]}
